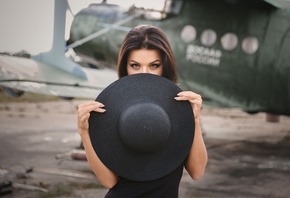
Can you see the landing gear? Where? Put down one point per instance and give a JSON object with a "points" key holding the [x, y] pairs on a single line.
{"points": [[13, 92]]}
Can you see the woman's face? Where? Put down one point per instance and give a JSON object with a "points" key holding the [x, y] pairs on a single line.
{"points": [[144, 61]]}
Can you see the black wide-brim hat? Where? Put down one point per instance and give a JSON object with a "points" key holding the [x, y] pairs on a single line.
{"points": [[145, 133]]}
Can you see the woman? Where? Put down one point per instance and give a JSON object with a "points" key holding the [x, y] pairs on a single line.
{"points": [[146, 49]]}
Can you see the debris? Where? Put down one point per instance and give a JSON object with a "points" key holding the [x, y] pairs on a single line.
{"points": [[28, 187], [3, 172], [77, 154], [272, 117], [64, 172], [5, 187]]}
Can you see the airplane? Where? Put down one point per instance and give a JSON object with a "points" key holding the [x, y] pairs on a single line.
{"points": [[52, 72], [235, 53]]}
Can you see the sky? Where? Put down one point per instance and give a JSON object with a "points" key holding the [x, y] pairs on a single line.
{"points": [[25, 22], [28, 24]]}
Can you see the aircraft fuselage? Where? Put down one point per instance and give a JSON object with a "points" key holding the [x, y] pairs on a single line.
{"points": [[233, 54]]}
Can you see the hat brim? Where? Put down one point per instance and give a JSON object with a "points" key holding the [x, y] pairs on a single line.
{"points": [[117, 156]]}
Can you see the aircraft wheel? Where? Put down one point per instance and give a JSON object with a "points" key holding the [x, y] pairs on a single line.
{"points": [[13, 92], [66, 98], [252, 112]]}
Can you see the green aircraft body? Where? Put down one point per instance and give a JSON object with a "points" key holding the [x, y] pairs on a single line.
{"points": [[235, 53]]}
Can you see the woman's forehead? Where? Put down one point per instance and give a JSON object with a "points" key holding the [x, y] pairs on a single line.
{"points": [[142, 54]]}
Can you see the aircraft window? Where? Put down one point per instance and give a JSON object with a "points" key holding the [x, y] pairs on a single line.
{"points": [[208, 37], [250, 45], [188, 33], [229, 41]]}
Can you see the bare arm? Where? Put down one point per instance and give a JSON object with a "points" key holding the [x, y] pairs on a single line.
{"points": [[197, 158], [104, 174]]}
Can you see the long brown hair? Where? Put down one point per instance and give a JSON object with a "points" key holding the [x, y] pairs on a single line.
{"points": [[147, 37]]}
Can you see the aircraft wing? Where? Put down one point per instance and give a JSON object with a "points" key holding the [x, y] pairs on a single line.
{"points": [[282, 4], [33, 76]]}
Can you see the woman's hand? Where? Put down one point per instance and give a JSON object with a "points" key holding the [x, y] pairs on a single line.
{"points": [[197, 157], [84, 114], [194, 99], [103, 173]]}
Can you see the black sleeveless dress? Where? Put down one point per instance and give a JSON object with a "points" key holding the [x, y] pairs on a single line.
{"points": [[165, 187]]}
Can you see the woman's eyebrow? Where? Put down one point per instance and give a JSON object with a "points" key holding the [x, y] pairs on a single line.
{"points": [[149, 63], [155, 61], [133, 61]]}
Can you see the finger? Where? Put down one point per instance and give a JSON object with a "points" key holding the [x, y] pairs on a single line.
{"points": [[188, 94], [190, 98], [194, 99], [196, 102], [84, 118], [83, 125], [91, 106]]}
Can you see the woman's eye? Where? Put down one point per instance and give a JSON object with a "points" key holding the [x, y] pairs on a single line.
{"points": [[134, 65], [155, 65]]}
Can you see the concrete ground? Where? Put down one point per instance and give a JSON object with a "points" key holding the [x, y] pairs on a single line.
{"points": [[248, 157]]}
